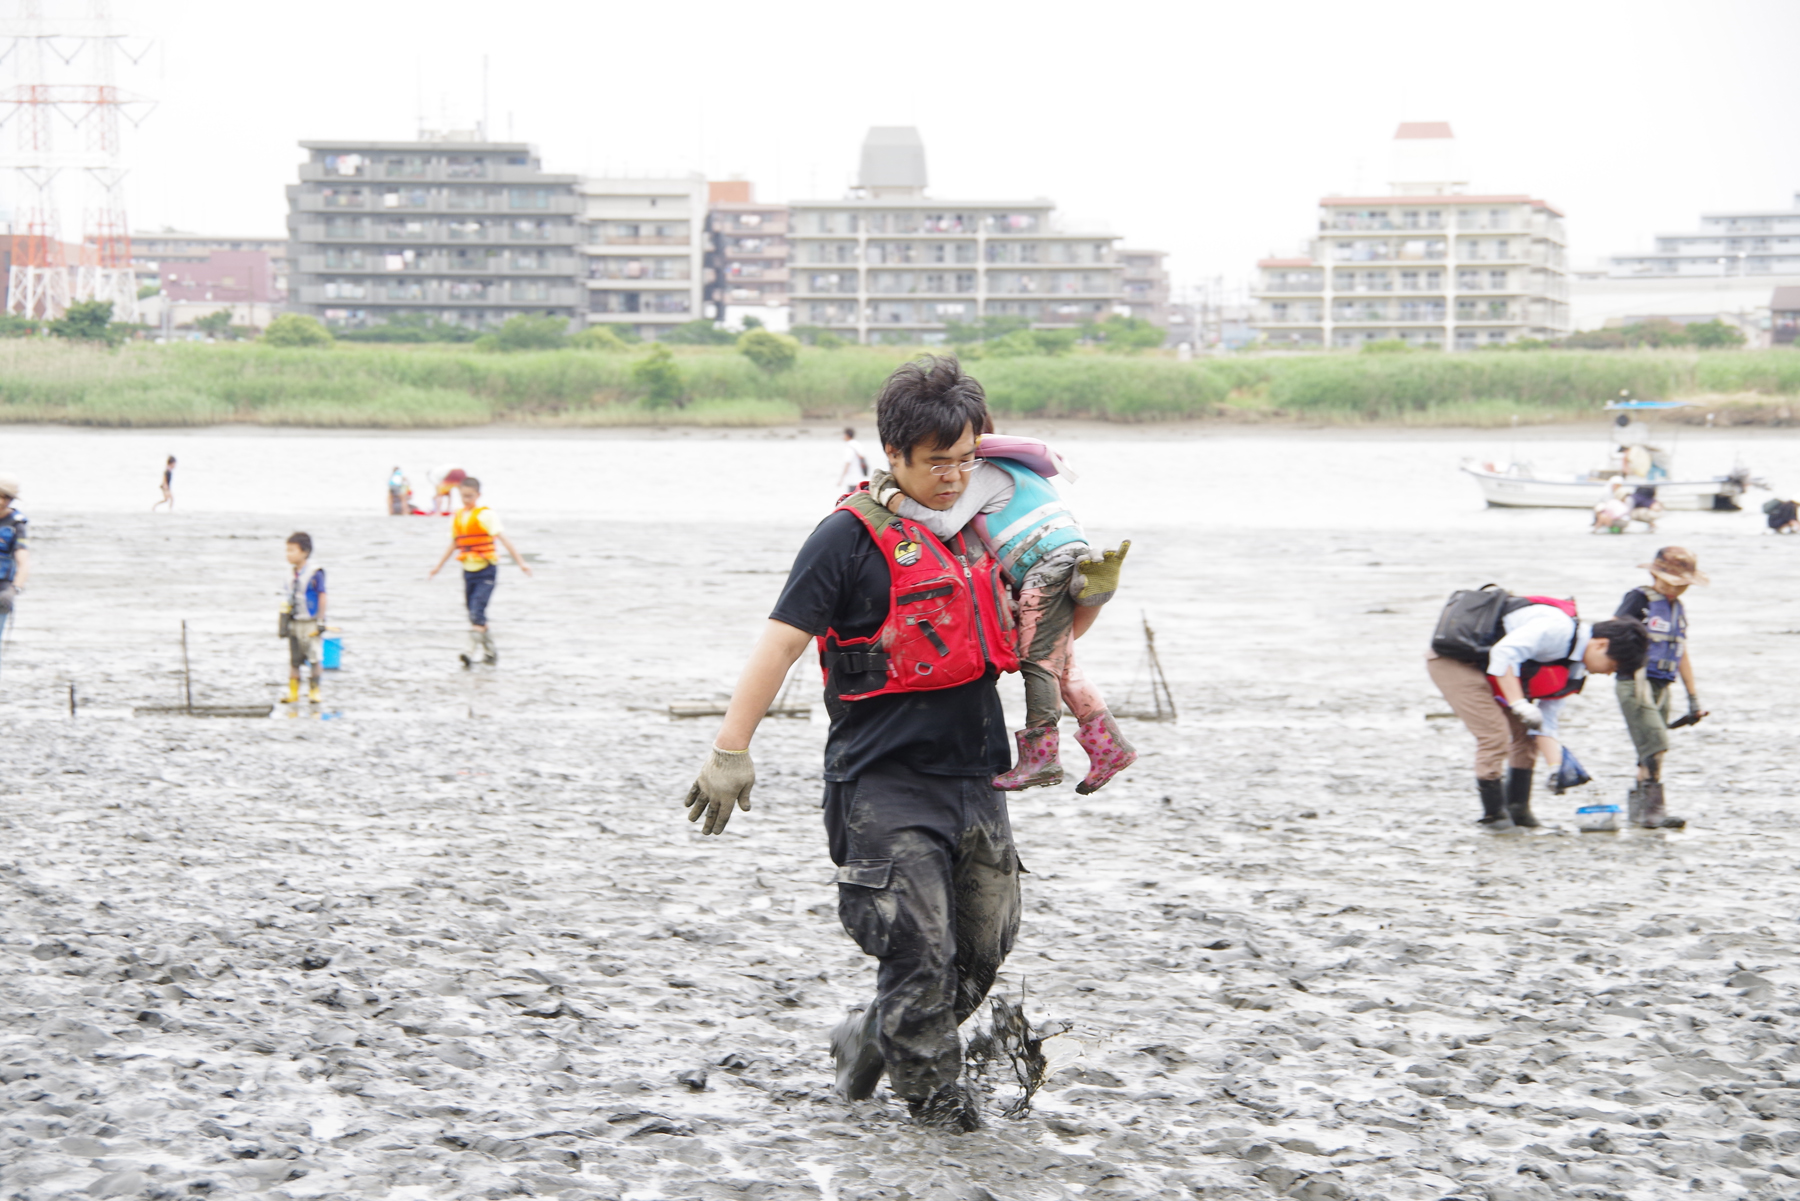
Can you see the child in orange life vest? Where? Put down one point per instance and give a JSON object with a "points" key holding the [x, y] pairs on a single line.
{"points": [[1058, 584], [474, 530]]}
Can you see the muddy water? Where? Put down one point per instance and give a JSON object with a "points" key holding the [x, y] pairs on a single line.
{"points": [[455, 942]]}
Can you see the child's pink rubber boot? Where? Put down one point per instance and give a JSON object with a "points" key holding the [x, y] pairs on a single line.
{"points": [[1109, 753], [1039, 763]]}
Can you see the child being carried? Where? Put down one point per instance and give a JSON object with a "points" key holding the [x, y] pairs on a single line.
{"points": [[1058, 586]]}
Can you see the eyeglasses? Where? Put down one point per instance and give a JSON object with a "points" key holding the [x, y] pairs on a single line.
{"points": [[948, 469]]}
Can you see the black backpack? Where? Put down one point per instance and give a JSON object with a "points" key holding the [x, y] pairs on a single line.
{"points": [[1470, 623]]}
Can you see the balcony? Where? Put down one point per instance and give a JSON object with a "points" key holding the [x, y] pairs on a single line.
{"points": [[1312, 285]]}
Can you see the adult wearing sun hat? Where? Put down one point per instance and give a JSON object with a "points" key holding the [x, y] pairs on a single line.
{"points": [[1644, 700]]}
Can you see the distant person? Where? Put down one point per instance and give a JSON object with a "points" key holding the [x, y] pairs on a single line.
{"points": [[15, 556], [1613, 513], [1783, 515], [303, 616], [1544, 652], [397, 493], [1645, 701], [444, 481], [473, 533], [1644, 505], [856, 463], [168, 487]]}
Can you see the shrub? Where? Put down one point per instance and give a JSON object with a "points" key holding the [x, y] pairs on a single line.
{"points": [[528, 331], [596, 337], [1386, 346], [296, 329], [698, 333], [771, 352], [817, 335], [90, 321], [659, 377], [1119, 332]]}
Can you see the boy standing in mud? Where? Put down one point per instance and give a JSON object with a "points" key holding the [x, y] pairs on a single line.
{"points": [[476, 536], [928, 880]]}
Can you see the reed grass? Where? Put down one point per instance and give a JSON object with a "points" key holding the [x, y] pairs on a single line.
{"points": [[409, 387]]}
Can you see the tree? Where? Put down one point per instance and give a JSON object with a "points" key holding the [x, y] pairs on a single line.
{"points": [[528, 331], [412, 327], [752, 322], [698, 333], [296, 330], [817, 335], [1119, 332], [88, 321], [1022, 342], [215, 325], [1655, 331], [657, 374], [146, 291], [771, 352], [1714, 334], [983, 329], [596, 337]]}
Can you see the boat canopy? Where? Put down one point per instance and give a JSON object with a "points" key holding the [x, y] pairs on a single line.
{"points": [[1634, 406]]}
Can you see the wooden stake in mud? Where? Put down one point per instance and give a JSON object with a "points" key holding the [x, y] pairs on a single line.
{"points": [[1159, 683], [187, 674]]}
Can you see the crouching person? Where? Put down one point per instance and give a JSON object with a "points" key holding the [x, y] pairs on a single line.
{"points": [[912, 636], [1544, 652]]}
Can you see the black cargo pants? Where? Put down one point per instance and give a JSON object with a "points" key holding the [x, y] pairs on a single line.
{"points": [[928, 883]]}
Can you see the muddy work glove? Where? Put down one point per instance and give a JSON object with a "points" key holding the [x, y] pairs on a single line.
{"points": [[1096, 580], [724, 784], [1692, 716], [885, 491], [1529, 715]]}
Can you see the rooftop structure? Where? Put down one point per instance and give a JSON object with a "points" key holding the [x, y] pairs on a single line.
{"points": [[890, 264], [1428, 264], [464, 231], [1755, 242]]}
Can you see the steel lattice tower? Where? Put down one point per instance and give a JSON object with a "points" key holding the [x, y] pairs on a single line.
{"points": [[45, 113]]}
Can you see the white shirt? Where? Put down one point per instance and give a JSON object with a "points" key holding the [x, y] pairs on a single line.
{"points": [[1539, 633]]}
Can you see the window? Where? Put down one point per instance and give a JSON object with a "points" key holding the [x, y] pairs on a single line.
{"points": [[666, 302], [529, 231], [1496, 335], [891, 282], [396, 259], [467, 198], [530, 289], [411, 231], [404, 166], [528, 260], [345, 227], [936, 281], [1503, 248], [468, 289], [403, 289], [404, 198], [965, 281], [467, 231], [342, 198], [345, 164], [528, 198], [1468, 281], [614, 302], [350, 257], [465, 166], [473, 260], [1012, 223], [1496, 281], [1409, 281], [346, 289]]}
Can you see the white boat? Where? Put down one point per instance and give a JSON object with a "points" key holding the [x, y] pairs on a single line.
{"points": [[1517, 486]]}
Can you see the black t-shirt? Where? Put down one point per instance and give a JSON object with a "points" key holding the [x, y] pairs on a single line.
{"points": [[840, 581], [1636, 604]]}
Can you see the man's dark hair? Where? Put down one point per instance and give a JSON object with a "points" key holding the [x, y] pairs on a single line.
{"points": [[469, 481], [929, 401], [303, 541], [849, 431], [1627, 642]]}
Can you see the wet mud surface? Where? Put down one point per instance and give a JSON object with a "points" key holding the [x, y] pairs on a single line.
{"points": [[449, 936]]}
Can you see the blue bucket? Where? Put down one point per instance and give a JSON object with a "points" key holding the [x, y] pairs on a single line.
{"points": [[331, 655]]}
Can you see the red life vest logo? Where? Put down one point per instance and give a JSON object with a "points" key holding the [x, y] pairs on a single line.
{"points": [[1659, 625], [906, 553]]}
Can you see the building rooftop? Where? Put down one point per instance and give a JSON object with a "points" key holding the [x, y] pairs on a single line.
{"points": [[1285, 263], [893, 156], [1423, 129], [1785, 300], [1386, 201], [353, 144]]}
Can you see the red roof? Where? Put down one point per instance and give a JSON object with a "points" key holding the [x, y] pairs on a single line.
{"points": [[1423, 129], [1285, 263], [1387, 201]]}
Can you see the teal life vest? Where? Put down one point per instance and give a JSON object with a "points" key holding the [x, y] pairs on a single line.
{"points": [[1033, 523]]}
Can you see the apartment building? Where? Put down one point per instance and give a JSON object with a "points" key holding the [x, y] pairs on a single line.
{"points": [[889, 264], [746, 256], [455, 228], [643, 246], [1754, 242], [1146, 284], [153, 254], [1428, 264]]}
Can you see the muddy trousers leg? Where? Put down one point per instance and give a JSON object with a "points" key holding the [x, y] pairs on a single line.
{"points": [[1047, 656], [1500, 741], [928, 884]]}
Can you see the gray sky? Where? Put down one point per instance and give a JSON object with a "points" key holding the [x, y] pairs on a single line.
{"points": [[1205, 129]]}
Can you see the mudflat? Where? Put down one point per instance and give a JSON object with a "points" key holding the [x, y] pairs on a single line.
{"points": [[447, 935]]}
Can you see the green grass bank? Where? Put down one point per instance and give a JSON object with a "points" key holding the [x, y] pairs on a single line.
{"points": [[413, 387]]}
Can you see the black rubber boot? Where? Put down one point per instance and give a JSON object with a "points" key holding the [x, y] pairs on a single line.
{"points": [[858, 1059], [1655, 815], [950, 1109], [1518, 797], [1493, 805]]}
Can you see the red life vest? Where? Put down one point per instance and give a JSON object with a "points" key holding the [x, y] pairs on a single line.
{"points": [[1547, 681], [949, 620]]}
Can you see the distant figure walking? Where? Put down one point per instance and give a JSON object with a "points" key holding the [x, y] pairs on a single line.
{"points": [[168, 487], [444, 481], [856, 464], [474, 532], [398, 487]]}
